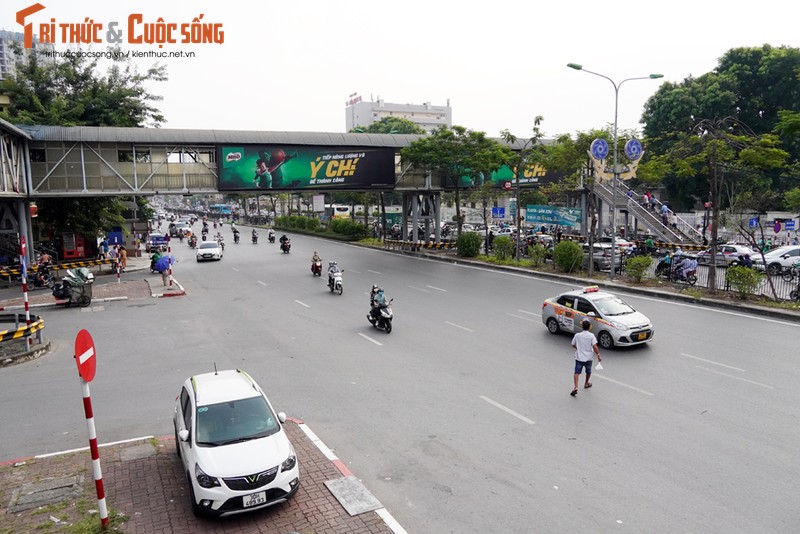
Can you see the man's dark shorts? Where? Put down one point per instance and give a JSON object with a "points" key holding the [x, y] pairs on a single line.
{"points": [[580, 365]]}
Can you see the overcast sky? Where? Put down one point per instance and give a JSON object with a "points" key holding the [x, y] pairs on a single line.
{"points": [[292, 65]]}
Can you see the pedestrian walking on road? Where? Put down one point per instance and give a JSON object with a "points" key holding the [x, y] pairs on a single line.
{"points": [[585, 348]]}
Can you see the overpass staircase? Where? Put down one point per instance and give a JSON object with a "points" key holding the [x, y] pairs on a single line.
{"points": [[683, 233]]}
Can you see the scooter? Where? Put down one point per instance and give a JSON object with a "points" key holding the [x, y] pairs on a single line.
{"points": [[255, 239], [384, 320], [47, 280], [335, 282], [236, 238], [193, 241], [286, 246], [271, 237], [316, 268]]}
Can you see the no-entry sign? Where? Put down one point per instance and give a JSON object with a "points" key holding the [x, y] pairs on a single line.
{"points": [[85, 355]]}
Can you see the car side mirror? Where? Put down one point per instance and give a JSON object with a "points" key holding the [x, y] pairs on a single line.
{"points": [[591, 314], [183, 435], [282, 417]]}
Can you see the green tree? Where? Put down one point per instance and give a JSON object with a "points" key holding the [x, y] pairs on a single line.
{"points": [[485, 195], [69, 91], [455, 153], [391, 125], [531, 153], [756, 86], [721, 151]]}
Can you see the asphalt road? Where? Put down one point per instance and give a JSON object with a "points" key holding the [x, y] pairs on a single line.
{"points": [[460, 420]]}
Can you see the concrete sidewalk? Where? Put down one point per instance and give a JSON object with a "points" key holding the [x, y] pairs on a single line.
{"points": [[147, 491]]}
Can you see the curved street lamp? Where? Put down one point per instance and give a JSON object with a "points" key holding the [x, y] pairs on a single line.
{"points": [[616, 170]]}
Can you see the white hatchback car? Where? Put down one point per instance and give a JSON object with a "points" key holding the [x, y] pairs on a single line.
{"points": [[209, 250], [234, 450], [779, 259]]}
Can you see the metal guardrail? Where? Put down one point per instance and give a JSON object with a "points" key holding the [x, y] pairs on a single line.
{"points": [[36, 326], [7, 272]]}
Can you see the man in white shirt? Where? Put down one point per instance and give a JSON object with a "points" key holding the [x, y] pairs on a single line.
{"points": [[585, 348]]}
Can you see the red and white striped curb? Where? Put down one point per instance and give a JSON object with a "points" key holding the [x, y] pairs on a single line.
{"points": [[384, 514], [179, 293]]}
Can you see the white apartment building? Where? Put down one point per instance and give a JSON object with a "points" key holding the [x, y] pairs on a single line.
{"points": [[427, 116], [9, 56]]}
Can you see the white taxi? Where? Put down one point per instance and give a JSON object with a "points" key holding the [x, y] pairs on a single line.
{"points": [[614, 322]]}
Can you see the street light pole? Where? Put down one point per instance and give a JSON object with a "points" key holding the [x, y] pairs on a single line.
{"points": [[615, 173]]}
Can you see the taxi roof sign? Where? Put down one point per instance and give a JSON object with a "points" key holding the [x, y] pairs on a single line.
{"points": [[591, 289]]}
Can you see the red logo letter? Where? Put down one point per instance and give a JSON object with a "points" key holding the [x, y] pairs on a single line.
{"points": [[35, 8]]}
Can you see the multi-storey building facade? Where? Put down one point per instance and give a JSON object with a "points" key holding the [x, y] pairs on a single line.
{"points": [[427, 116]]}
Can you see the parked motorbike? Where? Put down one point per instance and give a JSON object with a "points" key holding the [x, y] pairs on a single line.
{"points": [[286, 246], [43, 278], [384, 320], [75, 287], [316, 268], [335, 282]]}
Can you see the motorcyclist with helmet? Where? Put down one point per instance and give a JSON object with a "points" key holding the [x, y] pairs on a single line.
{"points": [[255, 236], [377, 302], [333, 268]]}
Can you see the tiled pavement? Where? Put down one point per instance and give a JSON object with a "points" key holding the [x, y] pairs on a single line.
{"points": [[144, 481]]}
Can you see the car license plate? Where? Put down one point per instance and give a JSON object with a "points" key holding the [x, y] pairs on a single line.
{"points": [[254, 499], [641, 337]]}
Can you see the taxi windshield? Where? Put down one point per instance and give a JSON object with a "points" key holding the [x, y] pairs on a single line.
{"points": [[612, 306]]}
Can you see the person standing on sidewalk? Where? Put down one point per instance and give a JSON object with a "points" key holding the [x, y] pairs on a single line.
{"points": [[585, 348]]}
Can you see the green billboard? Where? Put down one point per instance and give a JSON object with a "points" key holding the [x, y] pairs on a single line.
{"points": [[283, 167]]}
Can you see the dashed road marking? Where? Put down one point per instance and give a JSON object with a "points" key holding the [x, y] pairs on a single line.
{"points": [[507, 410], [736, 377], [302, 304], [459, 326], [437, 288], [370, 339], [712, 362]]}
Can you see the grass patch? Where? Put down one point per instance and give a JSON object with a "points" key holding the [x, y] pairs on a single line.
{"points": [[509, 262], [51, 509], [90, 523]]}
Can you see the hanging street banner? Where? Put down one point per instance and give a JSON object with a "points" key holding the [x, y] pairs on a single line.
{"points": [[553, 215], [276, 168], [531, 176]]}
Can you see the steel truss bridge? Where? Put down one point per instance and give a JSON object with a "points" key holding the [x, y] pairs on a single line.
{"points": [[58, 161]]}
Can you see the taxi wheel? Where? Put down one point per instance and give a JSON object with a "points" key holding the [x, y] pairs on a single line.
{"points": [[552, 326], [605, 340]]}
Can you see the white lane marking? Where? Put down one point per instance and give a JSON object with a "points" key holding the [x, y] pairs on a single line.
{"points": [[51, 454], [373, 272], [302, 304], [324, 449], [86, 355], [352, 271], [712, 362], [459, 326], [390, 521], [437, 288], [507, 410], [235, 269], [419, 289], [370, 339], [709, 309], [735, 377], [596, 375], [520, 317], [262, 283], [530, 313]]}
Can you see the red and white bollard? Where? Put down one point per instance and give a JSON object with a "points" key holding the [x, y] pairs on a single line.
{"points": [[96, 471], [118, 269], [23, 261]]}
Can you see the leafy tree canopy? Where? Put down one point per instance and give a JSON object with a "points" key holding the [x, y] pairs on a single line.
{"points": [[70, 91], [391, 125]]}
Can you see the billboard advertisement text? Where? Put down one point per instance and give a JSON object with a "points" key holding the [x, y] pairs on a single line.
{"points": [[283, 167], [553, 215]]}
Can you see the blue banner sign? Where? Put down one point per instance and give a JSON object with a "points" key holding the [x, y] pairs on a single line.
{"points": [[498, 213], [553, 215]]}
